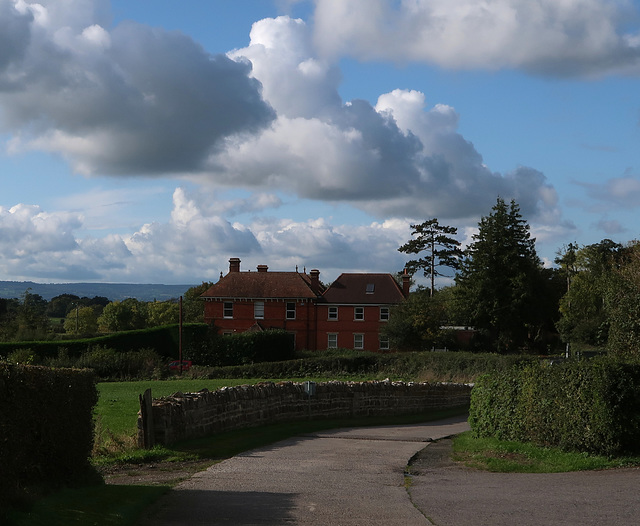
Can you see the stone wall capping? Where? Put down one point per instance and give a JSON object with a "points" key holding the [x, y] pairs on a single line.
{"points": [[184, 416]]}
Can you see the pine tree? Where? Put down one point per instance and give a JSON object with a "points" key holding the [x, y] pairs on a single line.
{"points": [[441, 248], [500, 278]]}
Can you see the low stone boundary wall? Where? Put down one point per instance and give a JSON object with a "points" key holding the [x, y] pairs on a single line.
{"points": [[184, 416]]}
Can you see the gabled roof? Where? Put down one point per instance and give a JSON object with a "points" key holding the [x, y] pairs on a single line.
{"points": [[360, 289], [259, 285]]}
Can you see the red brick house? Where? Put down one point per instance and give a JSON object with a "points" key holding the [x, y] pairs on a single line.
{"points": [[354, 308], [347, 314]]}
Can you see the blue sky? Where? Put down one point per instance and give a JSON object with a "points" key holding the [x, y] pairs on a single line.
{"points": [[151, 140]]}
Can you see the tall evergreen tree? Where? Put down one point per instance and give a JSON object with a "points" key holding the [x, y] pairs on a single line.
{"points": [[500, 279], [441, 249]]}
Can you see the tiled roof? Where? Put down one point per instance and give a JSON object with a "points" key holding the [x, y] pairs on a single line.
{"points": [[364, 289], [259, 285]]}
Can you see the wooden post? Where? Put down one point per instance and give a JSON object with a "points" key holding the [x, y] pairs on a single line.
{"points": [[146, 413], [180, 336]]}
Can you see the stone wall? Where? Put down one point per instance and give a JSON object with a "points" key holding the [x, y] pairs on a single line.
{"points": [[191, 415]]}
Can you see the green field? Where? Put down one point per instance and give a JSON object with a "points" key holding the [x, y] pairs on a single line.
{"points": [[118, 403]]}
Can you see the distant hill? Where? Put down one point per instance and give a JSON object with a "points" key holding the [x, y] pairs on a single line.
{"points": [[113, 291]]}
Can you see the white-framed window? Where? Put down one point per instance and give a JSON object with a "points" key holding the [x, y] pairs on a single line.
{"points": [[384, 313], [227, 309], [258, 310], [333, 313], [384, 343], [358, 313], [291, 310], [227, 333], [332, 340], [358, 341]]}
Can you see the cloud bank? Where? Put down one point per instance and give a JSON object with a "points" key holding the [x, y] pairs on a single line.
{"points": [[549, 37], [131, 100]]}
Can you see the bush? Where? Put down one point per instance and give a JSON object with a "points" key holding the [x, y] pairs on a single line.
{"points": [[409, 366], [590, 406], [109, 364], [163, 340], [243, 348], [46, 430]]}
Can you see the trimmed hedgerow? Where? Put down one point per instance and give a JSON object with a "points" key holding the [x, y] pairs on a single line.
{"points": [[163, 340], [590, 406], [243, 348], [46, 430], [451, 366]]}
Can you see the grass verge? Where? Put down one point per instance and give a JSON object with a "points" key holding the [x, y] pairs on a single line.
{"points": [[502, 456], [93, 506]]}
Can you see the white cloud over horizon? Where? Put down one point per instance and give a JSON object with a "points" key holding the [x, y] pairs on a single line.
{"points": [[134, 101]]}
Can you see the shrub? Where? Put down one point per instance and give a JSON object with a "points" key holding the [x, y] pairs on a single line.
{"points": [[244, 348], [46, 429], [590, 406]]}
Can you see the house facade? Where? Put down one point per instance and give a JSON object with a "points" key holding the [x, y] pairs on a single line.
{"points": [[350, 313]]}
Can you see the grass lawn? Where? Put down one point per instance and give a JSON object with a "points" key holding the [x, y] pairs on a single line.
{"points": [[491, 454], [118, 402]]}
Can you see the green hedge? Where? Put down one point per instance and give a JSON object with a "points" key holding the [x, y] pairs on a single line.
{"points": [[46, 430], [589, 406], [243, 348], [447, 366], [163, 340]]}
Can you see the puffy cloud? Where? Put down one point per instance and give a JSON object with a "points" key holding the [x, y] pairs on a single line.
{"points": [[134, 100], [554, 37], [617, 192], [610, 227], [194, 244], [399, 158]]}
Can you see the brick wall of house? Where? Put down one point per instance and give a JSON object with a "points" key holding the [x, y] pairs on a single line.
{"points": [[303, 326], [346, 327]]}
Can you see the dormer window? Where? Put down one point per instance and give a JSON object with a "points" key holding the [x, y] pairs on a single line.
{"points": [[371, 287]]}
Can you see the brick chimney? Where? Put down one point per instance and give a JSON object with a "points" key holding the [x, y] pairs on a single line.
{"points": [[262, 268], [234, 265], [406, 283], [314, 274]]}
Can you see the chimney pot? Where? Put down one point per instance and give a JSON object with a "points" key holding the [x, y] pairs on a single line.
{"points": [[314, 274], [406, 283], [234, 265]]}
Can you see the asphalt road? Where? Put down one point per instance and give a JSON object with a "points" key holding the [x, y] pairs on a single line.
{"points": [[357, 477]]}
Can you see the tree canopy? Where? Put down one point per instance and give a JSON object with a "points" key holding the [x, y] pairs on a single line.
{"points": [[441, 249], [500, 279]]}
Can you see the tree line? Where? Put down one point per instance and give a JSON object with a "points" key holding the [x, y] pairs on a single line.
{"points": [[31, 317], [510, 300]]}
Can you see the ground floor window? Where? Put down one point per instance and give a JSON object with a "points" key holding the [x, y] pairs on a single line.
{"points": [[332, 341], [358, 341], [384, 343]]}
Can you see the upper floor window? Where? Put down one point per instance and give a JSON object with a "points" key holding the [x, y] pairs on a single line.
{"points": [[333, 313], [291, 310], [358, 313], [371, 288], [384, 313], [258, 310], [227, 309]]}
